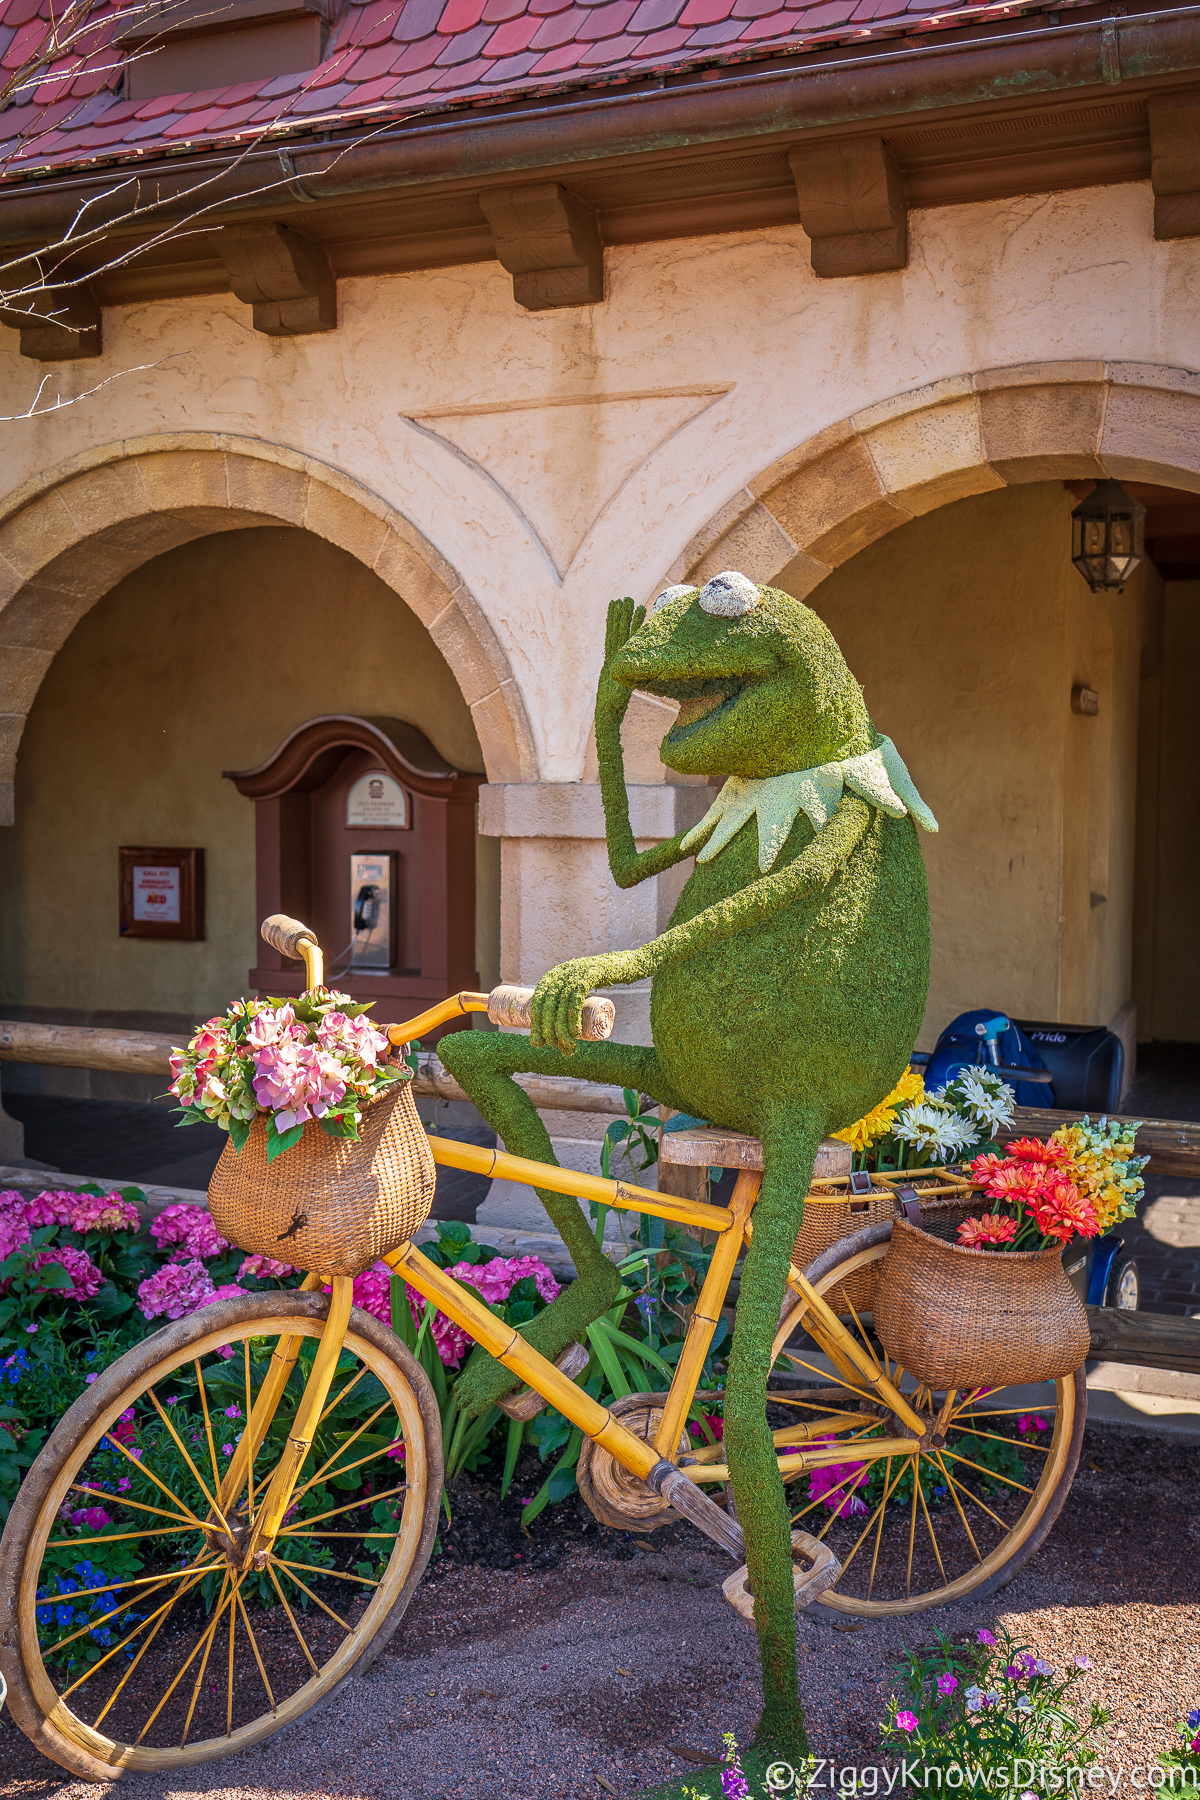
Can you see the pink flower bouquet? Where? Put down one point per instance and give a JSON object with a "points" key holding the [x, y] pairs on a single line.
{"points": [[316, 1058]]}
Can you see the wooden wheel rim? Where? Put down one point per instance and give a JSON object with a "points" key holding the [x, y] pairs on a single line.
{"points": [[1027, 1532], [67, 1737]]}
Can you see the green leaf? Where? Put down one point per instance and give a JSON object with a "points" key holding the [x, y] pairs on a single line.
{"points": [[565, 1465], [516, 1432], [53, 1275], [109, 1303], [135, 1195], [606, 1355], [279, 1141], [239, 1133], [643, 1352]]}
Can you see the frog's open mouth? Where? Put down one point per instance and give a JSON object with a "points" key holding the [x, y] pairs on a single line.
{"points": [[699, 703]]}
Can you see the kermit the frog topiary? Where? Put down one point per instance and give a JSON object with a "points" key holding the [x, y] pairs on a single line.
{"points": [[786, 993]]}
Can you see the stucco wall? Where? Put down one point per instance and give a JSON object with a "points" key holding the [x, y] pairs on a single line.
{"points": [[202, 660], [558, 459], [967, 630]]}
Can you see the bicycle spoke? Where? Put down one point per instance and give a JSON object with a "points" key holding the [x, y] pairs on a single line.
{"points": [[346, 1468], [195, 1651], [812, 1368], [334, 1404], [143, 1470], [912, 1533], [77, 1487], [115, 1586], [254, 1644], [998, 1437], [929, 1522], [199, 1681], [350, 1506], [342, 1448], [992, 1474], [316, 1569], [212, 1448], [279, 1562], [291, 1618], [229, 1690], [887, 1488], [345, 1534], [153, 1399], [962, 1515], [112, 1698], [878, 1513], [963, 1488], [246, 1427], [197, 1577], [1005, 1412]]}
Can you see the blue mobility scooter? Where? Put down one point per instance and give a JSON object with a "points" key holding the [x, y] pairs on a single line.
{"points": [[1076, 1067]]}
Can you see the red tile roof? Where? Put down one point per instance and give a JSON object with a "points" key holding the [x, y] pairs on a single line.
{"points": [[394, 59]]}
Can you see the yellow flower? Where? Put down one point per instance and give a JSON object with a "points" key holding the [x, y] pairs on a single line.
{"points": [[879, 1121]]}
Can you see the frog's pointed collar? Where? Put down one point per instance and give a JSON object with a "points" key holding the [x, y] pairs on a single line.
{"points": [[879, 777]]}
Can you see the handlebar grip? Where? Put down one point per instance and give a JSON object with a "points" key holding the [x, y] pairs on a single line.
{"points": [[286, 935], [509, 1005]]}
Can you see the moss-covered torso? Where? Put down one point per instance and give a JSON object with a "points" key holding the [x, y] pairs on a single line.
{"points": [[813, 1001]]}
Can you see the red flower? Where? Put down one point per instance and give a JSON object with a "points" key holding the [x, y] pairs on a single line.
{"points": [[992, 1228], [1033, 1150], [1062, 1212]]}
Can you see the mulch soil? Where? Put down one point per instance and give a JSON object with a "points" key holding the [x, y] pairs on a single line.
{"points": [[571, 1660]]}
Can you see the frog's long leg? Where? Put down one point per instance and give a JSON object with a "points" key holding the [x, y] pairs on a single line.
{"points": [[790, 1138], [484, 1063]]}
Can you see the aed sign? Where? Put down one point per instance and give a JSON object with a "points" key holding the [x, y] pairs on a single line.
{"points": [[162, 892], [156, 894]]}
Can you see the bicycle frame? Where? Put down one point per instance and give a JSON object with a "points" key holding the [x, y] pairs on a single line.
{"points": [[857, 1367]]}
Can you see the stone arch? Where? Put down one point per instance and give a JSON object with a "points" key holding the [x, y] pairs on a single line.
{"points": [[68, 536], [817, 506]]}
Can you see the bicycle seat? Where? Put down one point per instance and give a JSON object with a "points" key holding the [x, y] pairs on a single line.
{"points": [[708, 1146]]}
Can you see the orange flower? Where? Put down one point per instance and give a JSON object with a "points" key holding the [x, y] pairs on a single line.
{"points": [[992, 1228], [1033, 1150], [1062, 1212]]}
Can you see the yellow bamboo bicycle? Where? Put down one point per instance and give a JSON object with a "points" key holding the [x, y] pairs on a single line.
{"points": [[269, 1475]]}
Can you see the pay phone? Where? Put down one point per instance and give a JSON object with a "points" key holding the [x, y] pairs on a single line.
{"points": [[366, 832]]}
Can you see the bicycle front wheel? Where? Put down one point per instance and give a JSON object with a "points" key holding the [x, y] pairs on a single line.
{"points": [[131, 1638]]}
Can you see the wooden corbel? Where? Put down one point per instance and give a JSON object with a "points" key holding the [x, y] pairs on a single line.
{"points": [[549, 242], [1175, 164], [286, 278], [57, 324], [852, 205]]}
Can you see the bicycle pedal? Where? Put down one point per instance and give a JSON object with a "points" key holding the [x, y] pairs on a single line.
{"points": [[527, 1403], [814, 1568]]}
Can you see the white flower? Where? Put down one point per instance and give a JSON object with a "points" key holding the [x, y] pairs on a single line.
{"points": [[1024, 1703], [986, 1097], [974, 1698], [929, 1126]]}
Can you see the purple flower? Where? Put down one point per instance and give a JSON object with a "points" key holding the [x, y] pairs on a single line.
{"points": [[176, 1289], [1042, 1667], [985, 1637], [906, 1721], [88, 1379], [85, 1276], [233, 1412], [1085, 1662], [734, 1784], [188, 1230], [103, 1212], [946, 1684], [226, 1449]]}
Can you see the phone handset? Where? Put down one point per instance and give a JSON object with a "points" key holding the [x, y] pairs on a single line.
{"points": [[366, 908]]}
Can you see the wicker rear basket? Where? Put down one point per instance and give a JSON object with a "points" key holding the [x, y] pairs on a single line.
{"points": [[831, 1212], [328, 1204], [963, 1318]]}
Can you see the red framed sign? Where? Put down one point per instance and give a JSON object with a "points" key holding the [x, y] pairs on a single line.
{"points": [[162, 892]]}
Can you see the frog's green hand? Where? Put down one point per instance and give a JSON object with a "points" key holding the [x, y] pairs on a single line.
{"points": [[556, 1011], [612, 697]]}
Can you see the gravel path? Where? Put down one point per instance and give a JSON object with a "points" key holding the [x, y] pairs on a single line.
{"points": [[578, 1678]]}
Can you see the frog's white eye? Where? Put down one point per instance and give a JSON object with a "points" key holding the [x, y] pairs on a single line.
{"points": [[729, 595], [667, 595]]}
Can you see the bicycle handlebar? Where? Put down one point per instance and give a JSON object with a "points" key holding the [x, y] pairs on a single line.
{"points": [[505, 1005]]}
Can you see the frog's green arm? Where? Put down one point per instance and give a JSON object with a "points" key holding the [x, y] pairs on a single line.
{"points": [[629, 865], [555, 1013]]}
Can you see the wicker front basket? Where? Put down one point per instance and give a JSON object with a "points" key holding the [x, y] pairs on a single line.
{"points": [[328, 1204], [963, 1318]]}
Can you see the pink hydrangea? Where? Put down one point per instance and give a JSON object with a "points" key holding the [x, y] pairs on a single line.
{"points": [[266, 1268], [373, 1291], [297, 1082], [228, 1291], [176, 1289], [450, 1340], [13, 1233], [823, 1482], [85, 1276], [495, 1280], [53, 1206], [355, 1037], [104, 1212], [189, 1230]]}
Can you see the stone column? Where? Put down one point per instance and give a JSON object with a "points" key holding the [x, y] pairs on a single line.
{"points": [[558, 900]]}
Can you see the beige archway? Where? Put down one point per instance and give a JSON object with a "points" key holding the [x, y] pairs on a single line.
{"points": [[849, 485], [67, 538]]}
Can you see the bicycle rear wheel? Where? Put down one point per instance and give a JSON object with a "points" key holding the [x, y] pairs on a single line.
{"points": [[958, 1517], [131, 1638]]}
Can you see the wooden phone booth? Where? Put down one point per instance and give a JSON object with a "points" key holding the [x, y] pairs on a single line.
{"points": [[367, 834]]}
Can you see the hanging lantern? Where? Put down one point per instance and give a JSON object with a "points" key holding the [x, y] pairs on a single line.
{"points": [[1108, 536]]}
